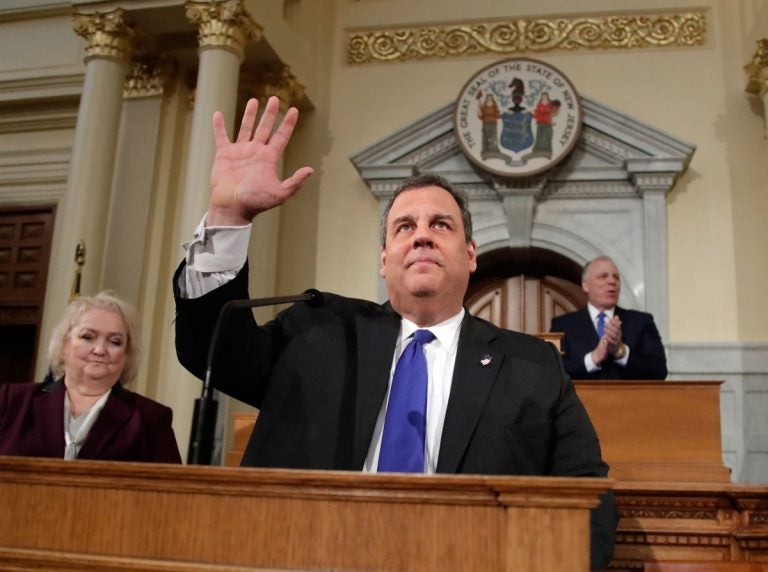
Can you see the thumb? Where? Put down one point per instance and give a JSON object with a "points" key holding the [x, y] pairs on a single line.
{"points": [[297, 180]]}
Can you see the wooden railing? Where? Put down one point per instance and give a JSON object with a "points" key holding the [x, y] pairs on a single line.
{"points": [[91, 515]]}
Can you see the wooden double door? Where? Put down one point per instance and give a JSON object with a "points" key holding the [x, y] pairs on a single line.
{"points": [[25, 250], [525, 303]]}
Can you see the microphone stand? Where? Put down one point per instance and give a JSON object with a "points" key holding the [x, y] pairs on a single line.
{"points": [[200, 449]]}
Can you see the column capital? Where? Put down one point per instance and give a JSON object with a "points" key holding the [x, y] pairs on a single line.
{"points": [[223, 24], [108, 34], [757, 69], [147, 76], [264, 81]]}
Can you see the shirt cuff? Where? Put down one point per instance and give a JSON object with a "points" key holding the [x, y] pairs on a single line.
{"points": [[217, 248], [589, 363]]}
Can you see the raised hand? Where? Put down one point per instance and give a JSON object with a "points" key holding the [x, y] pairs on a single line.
{"points": [[244, 177]]}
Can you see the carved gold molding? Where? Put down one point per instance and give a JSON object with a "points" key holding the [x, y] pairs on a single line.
{"points": [[147, 77], [108, 34], [504, 36], [264, 81], [757, 69], [223, 24]]}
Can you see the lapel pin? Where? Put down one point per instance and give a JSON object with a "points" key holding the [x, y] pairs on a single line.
{"points": [[486, 360]]}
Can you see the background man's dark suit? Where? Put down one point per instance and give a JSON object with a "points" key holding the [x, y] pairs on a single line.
{"points": [[129, 428], [647, 359], [320, 376]]}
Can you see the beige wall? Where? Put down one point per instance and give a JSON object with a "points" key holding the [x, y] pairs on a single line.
{"points": [[717, 241]]}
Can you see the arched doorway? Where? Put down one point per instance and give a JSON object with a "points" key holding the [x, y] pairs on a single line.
{"points": [[522, 289]]}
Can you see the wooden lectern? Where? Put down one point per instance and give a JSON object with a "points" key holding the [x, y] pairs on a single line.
{"points": [[76, 515], [662, 440]]}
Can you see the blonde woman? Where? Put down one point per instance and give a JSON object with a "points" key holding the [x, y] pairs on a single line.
{"points": [[85, 411]]}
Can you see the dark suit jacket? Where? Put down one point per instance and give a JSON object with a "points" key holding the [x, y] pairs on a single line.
{"points": [[129, 428], [647, 359], [319, 377]]}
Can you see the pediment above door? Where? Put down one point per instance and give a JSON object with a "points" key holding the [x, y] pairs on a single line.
{"points": [[606, 197]]}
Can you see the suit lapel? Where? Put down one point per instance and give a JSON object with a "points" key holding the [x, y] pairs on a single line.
{"points": [[586, 324], [49, 418], [376, 340], [116, 413], [477, 365]]}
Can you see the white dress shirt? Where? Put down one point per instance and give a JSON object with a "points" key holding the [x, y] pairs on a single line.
{"points": [[441, 359]]}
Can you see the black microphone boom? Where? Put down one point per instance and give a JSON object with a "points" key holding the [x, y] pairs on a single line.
{"points": [[204, 417]]}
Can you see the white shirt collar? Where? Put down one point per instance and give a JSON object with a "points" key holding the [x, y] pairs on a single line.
{"points": [[593, 312], [446, 332]]}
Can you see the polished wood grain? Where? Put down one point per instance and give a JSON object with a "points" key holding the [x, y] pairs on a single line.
{"points": [[658, 430], [292, 519]]}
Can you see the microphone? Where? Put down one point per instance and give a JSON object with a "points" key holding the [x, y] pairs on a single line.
{"points": [[204, 418]]}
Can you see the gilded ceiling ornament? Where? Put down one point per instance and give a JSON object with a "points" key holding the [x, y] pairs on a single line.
{"points": [[147, 77], [223, 23], [527, 35], [108, 34], [757, 69], [264, 81]]}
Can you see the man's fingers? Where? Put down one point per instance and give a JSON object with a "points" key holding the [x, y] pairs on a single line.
{"points": [[282, 135], [249, 119], [219, 130], [613, 327], [267, 120], [297, 180]]}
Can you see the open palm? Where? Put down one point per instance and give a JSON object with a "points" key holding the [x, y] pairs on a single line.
{"points": [[244, 177]]}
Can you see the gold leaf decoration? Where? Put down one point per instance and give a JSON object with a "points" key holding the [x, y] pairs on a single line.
{"points": [[527, 35]]}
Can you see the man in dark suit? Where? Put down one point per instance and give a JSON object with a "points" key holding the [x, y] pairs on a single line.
{"points": [[604, 341], [497, 402]]}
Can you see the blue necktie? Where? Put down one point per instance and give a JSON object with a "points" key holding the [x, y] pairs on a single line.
{"points": [[402, 444], [601, 325]]}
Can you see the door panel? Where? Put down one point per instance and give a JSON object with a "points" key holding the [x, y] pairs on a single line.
{"points": [[526, 303], [25, 249]]}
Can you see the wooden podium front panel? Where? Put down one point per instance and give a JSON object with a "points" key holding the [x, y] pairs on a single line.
{"points": [[665, 431], [658, 430], [294, 519]]}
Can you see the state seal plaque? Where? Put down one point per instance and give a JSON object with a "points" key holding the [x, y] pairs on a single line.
{"points": [[517, 117]]}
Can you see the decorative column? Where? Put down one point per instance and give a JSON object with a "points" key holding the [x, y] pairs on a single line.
{"points": [[224, 28], [757, 70], [132, 266], [134, 174], [263, 82], [653, 189], [82, 212]]}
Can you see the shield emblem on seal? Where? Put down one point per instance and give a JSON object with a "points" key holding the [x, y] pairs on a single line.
{"points": [[516, 132]]}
